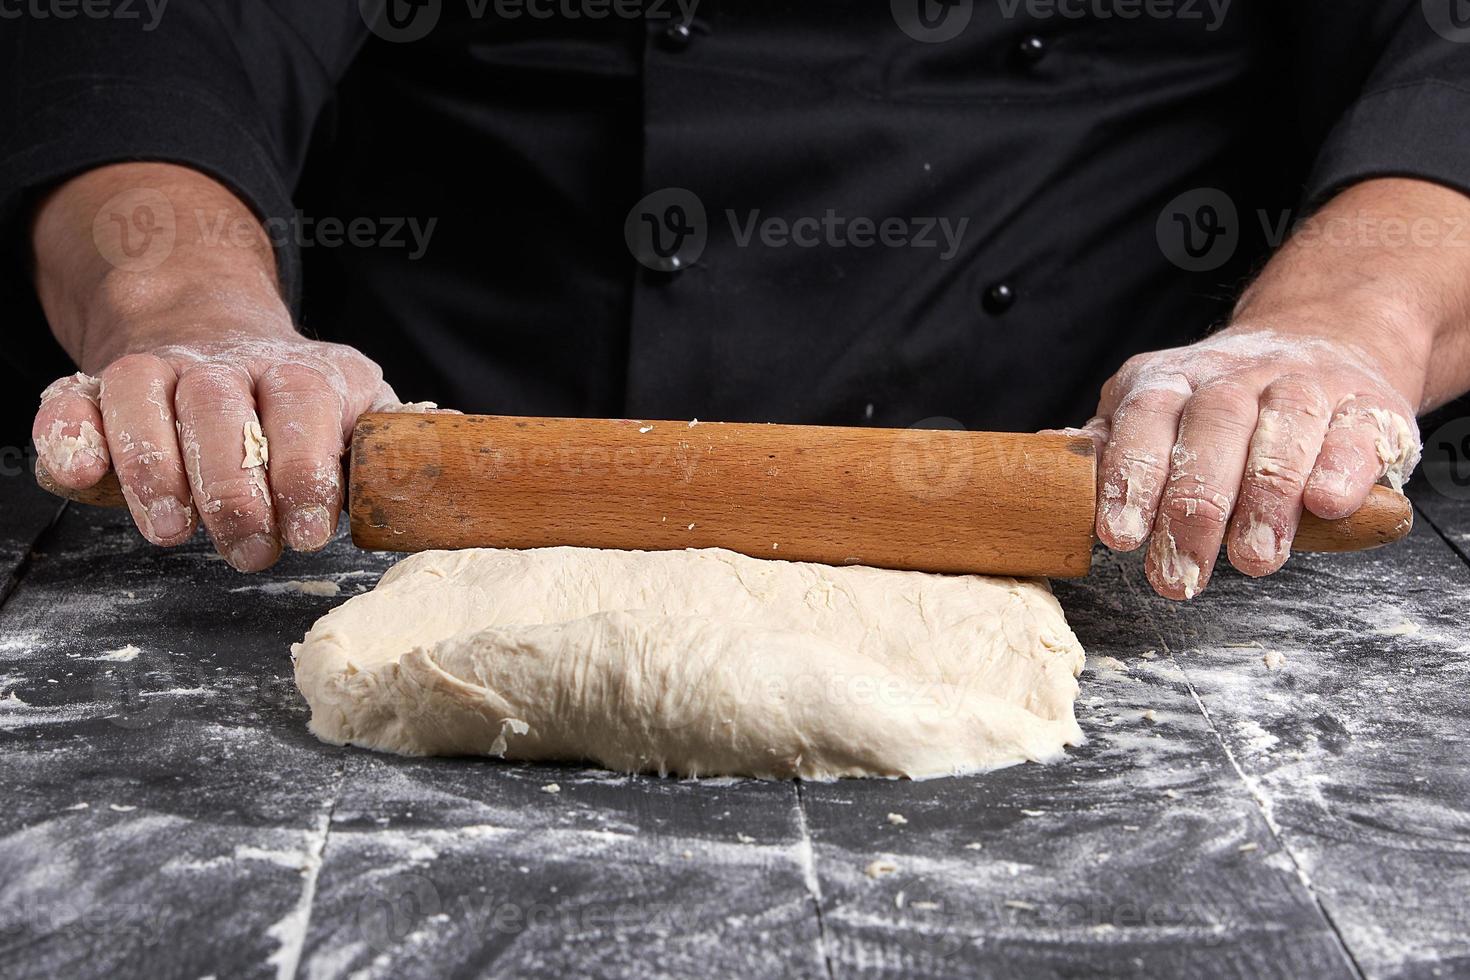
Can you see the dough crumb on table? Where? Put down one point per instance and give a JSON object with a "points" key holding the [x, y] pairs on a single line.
{"points": [[880, 868], [697, 663]]}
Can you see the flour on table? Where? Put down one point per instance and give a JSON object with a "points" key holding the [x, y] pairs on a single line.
{"points": [[120, 655], [696, 662]]}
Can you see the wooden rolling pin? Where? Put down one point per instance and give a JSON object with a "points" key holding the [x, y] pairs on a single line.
{"points": [[930, 500]]}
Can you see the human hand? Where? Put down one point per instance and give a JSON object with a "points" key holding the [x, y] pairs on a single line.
{"points": [[241, 429], [205, 400], [1229, 439]]}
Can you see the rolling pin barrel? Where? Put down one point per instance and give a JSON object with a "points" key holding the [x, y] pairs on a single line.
{"points": [[930, 500]]}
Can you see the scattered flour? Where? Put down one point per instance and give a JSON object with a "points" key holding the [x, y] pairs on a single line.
{"points": [[1107, 663], [118, 656], [317, 587]]}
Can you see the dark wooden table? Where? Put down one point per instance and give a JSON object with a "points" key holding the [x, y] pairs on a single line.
{"points": [[166, 813]]}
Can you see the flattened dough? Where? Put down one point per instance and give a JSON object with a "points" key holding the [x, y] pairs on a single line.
{"points": [[698, 662]]}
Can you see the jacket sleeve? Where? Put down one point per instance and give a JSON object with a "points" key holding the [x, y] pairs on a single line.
{"points": [[230, 88], [1404, 110]]}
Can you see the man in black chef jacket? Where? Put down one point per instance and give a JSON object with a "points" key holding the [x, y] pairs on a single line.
{"points": [[989, 211]]}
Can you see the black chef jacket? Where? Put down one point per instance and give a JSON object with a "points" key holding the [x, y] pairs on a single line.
{"points": [[1096, 151]]}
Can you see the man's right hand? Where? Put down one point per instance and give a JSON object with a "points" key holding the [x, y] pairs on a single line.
{"points": [[197, 390]]}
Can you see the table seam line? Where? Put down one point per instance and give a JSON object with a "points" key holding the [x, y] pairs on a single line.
{"points": [[1252, 791], [12, 582], [1424, 515], [808, 858], [309, 884], [1252, 788]]}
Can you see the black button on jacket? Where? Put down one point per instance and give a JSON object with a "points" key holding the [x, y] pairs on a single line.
{"points": [[860, 217]]}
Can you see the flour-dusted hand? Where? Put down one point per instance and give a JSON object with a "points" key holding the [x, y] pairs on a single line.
{"points": [[1304, 401], [196, 388], [242, 430], [1229, 439]]}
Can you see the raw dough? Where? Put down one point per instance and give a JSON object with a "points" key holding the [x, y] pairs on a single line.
{"points": [[257, 447], [698, 662]]}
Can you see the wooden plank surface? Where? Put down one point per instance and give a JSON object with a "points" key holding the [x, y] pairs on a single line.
{"points": [[1441, 494], [1355, 745], [1222, 819], [1144, 852], [25, 513], [163, 802], [173, 795], [463, 867]]}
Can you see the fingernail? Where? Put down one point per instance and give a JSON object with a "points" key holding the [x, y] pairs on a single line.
{"points": [[1260, 541], [169, 518], [70, 454], [254, 553], [309, 528], [1124, 521], [1176, 568]]}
